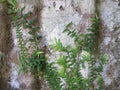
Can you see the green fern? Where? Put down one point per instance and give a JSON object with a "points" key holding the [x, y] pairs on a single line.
{"points": [[36, 60], [58, 46], [71, 63], [72, 60], [52, 77]]}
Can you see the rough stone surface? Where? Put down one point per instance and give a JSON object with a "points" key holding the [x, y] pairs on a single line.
{"points": [[5, 46], [55, 15], [110, 13]]}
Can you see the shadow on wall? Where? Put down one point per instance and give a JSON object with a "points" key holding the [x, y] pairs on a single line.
{"points": [[5, 46]]}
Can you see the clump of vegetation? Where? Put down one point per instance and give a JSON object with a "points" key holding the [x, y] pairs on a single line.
{"points": [[34, 62], [71, 62]]}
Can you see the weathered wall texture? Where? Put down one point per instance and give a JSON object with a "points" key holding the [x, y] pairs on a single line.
{"points": [[5, 46], [55, 15], [110, 15]]}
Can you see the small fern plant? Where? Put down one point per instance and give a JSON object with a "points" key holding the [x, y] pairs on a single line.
{"points": [[16, 15], [70, 67], [72, 61], [35, 62]]}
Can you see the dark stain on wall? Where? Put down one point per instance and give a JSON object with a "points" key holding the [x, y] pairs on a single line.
{"points": [[6, 44]]}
